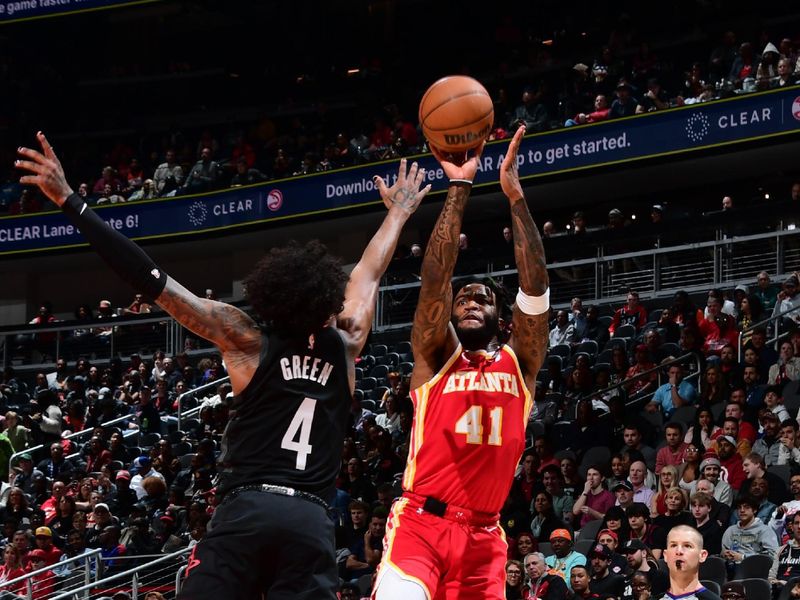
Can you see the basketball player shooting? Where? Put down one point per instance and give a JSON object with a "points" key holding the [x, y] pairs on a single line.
{"points": [[472, 401], [293, 382]]}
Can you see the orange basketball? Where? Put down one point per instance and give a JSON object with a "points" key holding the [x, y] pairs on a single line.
{"points": [[456, 113]]}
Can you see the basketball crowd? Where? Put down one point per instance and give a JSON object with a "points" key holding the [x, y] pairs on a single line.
{"points": [[565, 87], [714, 445]]}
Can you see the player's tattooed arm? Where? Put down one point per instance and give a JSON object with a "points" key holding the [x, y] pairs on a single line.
{"points": [[226, 326], [431, 333], [529, 332]]}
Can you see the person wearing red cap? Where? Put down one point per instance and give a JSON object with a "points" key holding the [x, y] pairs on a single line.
{"points": [[564, 556], [730, 461], [43, 585]]}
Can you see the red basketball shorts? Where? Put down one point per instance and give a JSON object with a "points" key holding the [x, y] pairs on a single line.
{"points": [[451, 557]]}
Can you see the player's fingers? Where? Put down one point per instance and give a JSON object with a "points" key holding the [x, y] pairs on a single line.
{"points": [[46, 147], [513, 147], [380, 184], [424, 191], [401, 172], [32, 154], [420, 178], [412, 172], [29, 165], [29, 180]]}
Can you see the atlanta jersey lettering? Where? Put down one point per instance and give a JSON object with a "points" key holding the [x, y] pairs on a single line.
{"points": [[469, 430]]}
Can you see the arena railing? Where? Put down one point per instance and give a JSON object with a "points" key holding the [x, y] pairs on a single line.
{"points": [[771, 324], [654, 273], [144, 577], [72, 436], [88, 560], [191, 393]]}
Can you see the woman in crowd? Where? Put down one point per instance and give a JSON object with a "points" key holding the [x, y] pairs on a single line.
{"points": [[514, 580], [690, 468], [17, 507], [750, 312], [675, 514], [714, 389], [700, 434], [616, 522], [61, 522], [545, 520], [12, 568], [19, 436], [667, 479], [524, 545]]}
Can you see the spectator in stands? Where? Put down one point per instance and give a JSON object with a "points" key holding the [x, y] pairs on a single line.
{"points": [[144, 469], [759, 491], [717, 328], [625, 104], [749, 313], [749, 535], [730, 461], [357, 483], [544, 453], [553, 482], [44, 543], [564, 556], [710, 470], [146, 192], [541, 583], [525, 481], [246, 174], [769, 445], [744, 65], [767, 72], [701, 432], [633, 313], [641, 493], [765, 291], [667, 479], [786, 75], [57, 466], [514, 580], [788, 299], [604, 582], [641, 528], [655, 98], [600, 113], [675, 450], [641, 385], [677, 392], [632, 436], [786, 563], [12, 568], [701, 504], [595, 500], [690, 469], [545, 520], [110, 546], [563, 332], [168, 176], [204, 174], [787, 368], [108, 178], [532, 112]]}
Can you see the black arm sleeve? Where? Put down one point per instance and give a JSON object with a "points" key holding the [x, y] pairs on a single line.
{"points": [[126, 258]]}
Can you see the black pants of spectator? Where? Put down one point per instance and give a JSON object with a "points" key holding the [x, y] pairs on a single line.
{"points": [[261, 543]]}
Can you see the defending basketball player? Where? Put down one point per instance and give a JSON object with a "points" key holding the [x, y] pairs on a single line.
{"points": [[472, 401], [271, 534]]}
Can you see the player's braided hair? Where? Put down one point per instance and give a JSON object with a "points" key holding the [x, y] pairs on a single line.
{"points": [[295, 289]]}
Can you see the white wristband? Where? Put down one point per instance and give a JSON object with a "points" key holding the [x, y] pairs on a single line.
{"points": [[465, 181], [533, 305]]}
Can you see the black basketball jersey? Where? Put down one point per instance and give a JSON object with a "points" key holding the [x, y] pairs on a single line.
{"points": [[287, 426]]}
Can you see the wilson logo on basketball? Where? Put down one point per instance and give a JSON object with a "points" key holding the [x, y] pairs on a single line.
{"points": [[274, 200], [468, 137]]}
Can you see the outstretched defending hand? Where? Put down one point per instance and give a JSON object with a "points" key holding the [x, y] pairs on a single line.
{"points": [[405, 194], [463, 167], [509, 173], [49, 174]]}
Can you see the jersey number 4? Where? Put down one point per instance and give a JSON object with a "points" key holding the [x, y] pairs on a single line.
{"points": [[299, 432], [471, 425]]}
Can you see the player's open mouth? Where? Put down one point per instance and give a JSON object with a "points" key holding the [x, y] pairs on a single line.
{"points": [[678, 564]]}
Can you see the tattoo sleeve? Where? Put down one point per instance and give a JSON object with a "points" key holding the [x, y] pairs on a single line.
{"points": [[435, 298], [220, 323], [529, 331]]}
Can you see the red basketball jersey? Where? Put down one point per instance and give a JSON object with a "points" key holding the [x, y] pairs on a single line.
{"points": [[469, 430]]}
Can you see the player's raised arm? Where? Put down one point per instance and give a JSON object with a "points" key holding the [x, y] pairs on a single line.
{"points": [[224, 325], [402, 199], [529, 324], [433, 338]]}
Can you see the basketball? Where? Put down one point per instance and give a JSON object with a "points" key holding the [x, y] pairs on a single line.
{"points": [[456, 113]]}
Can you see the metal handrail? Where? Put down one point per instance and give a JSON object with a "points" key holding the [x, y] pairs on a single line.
{"points": [[68, 594], [194, 391], [27, 577], [66, 437], [776, 318]]}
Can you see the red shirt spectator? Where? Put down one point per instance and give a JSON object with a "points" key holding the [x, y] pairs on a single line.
{"points": [[632, 313]]}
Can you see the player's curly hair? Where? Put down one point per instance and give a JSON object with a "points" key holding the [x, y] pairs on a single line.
{"points": [[295, 289]]}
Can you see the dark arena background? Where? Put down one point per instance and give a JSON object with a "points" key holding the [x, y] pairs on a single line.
{"points": [[660, 163]]}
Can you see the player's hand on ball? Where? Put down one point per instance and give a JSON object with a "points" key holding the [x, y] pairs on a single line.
{"points": [[462, 166], [405, 194], [48, 174], [509, 173]]}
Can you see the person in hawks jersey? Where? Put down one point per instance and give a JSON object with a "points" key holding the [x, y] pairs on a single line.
{"points": [[271, 535], [471, 394]]}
